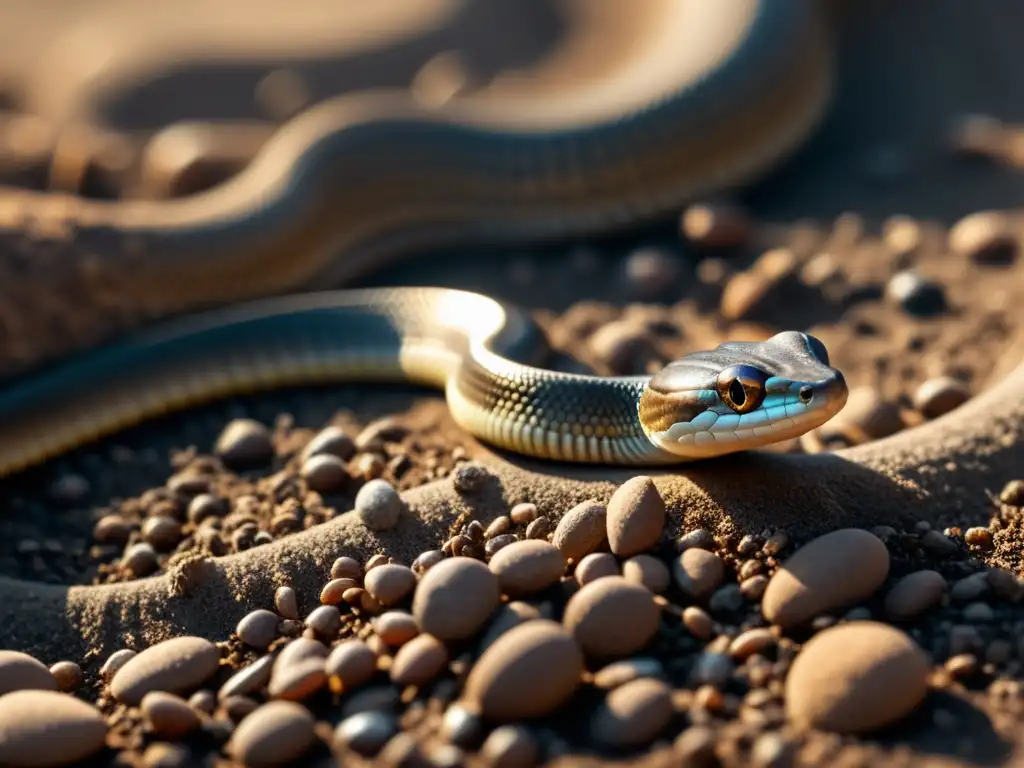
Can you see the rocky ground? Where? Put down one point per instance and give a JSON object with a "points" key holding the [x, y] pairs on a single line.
{"points": [[521, 633]]}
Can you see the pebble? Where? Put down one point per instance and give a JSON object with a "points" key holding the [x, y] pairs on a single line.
{"points": [[427, 560], [855, 678], [612, 617], [350, 664], [163, 755], [19, 671], [390, 583], [498, 543], [985, 237], [510, 746], [633, 714], [649, 271], [916, 295], [378, 505], [524, 513], [68, 675], [510, 615], [914, 595], [938, 544], [699, 538], [168, 715], [937, 397], [346, 567], [277, 733], [42, 728], [865, 417], [530, 671], [698, 622], [298, 680], [978, 536], [621, 672], [324, 473], [716, 225], [161, 532], [325, 621], [470, 477], [970, 587], [248, 679], [750, 642], [140, 559], [635, 517], [258, 628], [624, 345], [244, 443], [527, 567], [499, 525], [287, 603], [695, 747], [649, 571], [396, 628], [581, 530], [115, 661], [1013, 493], [595, 566], [831, 572], [419, 661], [698, 572], [713, 668], [455, 598], [178, 665], [365, 732], [331, 441], [753, 588]]}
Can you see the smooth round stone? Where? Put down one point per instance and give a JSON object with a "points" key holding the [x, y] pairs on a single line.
{"points": [[365, 732], [856, 678], [581, 530], [510, 615], [179, 665], [527, 567], [594, 566], [530, 671], [324, 473], [332, 441], [455, 598], [244, 443], [287, 603], [248, 679], [915, 294], [419, 661], [635, 517], [275, 734], [621, 672], [115, 661], [648, 571], [829, 573], [390, 583], [378, 505], [633, 714], [258, 628], [937, 397], [985, 237], [68, 675], [698, 572], [170, 716], [612, 617], [396, 628], [19, 671], [352, 663], [914, 595], [510, 746], [44, 728]]}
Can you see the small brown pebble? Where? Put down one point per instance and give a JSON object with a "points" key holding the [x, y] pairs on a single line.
{"points": [[623, 345], [324, 473], [510, 746], [68, 675], [635, 517], [365, 733], [527, 567], [112, 529], [298, 680], [855, 678], [695, 747], [498, 543], [161, 532], [510, 615], [140, 559], [455, 598], [244, 443], [325, 621], [333, 592], [698, 623], [203, 507], [648, 571], [378, 505], [347, 568], [581, 530], [178, 665], [937, 397], [595, 566], [750, 642], [538, 529], [258, 628], [427, 560], [287, 603], [237, 708], [168, 715], [831, 572], [612, 617], [164, 755], [470, 477], [19, 671], [331, 441], [277, 733], [698, 572], [979, 537], [115, 661], [530, 671], [396, 628], [44, 728], [633, 714], [753, 588], [1013, 493], [621, 672], [696, 539], [524, 513], [498, 526], [419, 661], [985, 237], [716, 225], [938, 544], [390, 583], [350, 664], [245, 681]]}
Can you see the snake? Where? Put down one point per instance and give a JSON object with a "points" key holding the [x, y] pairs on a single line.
{"points": [[718, 94]]}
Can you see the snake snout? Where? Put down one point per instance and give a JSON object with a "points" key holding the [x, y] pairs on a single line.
{"points": [[830, 393]]}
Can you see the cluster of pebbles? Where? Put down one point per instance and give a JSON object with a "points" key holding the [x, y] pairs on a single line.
{"points": [[529, 639]]}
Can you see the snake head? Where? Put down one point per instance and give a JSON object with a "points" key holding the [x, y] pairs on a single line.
{"points": [[741, 395]]}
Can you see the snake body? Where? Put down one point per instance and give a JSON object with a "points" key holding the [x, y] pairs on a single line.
{"points": [[718, 93]]}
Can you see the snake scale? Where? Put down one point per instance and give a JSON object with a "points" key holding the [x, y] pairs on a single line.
{"points": [[719, 93]]}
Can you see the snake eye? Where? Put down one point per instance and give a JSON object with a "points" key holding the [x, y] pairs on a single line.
{"points": [[741, 387]]}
